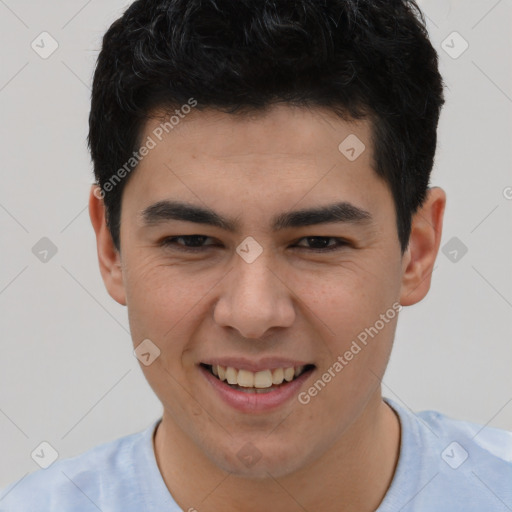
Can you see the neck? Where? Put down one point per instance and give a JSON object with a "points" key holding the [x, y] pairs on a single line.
{"points": [[354, 475]]}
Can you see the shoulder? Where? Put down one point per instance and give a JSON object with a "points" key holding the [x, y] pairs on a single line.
{"points": [[475, 461], [485, 443], [451, 464], [80, 483]]}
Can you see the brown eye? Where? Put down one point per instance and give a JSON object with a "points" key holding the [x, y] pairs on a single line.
{"points": [[193, 243], [323, 243]]}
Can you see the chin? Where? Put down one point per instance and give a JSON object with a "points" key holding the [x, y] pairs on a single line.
{"points": [[250, 462]]}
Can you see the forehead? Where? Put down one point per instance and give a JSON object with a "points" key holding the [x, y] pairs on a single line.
{"points": [[281, 130], [282, 157], [276, 145]]}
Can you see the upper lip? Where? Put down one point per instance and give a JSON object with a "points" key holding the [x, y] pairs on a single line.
{"points": [[268, 363]]}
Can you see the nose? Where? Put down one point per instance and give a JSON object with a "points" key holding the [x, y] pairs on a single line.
{"points": [[254, 298]]}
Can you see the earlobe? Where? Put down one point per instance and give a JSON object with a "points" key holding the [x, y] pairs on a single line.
{"points": [[420, 256], [108, 256]]}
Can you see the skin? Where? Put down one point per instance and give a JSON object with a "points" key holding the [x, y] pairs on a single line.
{"points": [[339, 452]]}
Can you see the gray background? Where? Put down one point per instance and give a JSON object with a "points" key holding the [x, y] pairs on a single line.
{"points": [[67, 372]]}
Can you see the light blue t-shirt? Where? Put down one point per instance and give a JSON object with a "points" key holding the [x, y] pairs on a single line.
{"points": [[445, 465]]}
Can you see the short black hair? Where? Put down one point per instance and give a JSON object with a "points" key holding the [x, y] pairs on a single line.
{"points": [[361, 58]]}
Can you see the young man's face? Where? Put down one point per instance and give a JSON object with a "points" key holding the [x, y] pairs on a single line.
{"points": [[290, 305]]}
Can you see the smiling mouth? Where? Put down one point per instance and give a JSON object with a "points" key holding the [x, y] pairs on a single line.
{"points": [[264, 381]]}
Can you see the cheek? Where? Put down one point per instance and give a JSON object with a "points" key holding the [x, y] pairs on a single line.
{"points": [[161, 295], [356, 310], [348, 296]]}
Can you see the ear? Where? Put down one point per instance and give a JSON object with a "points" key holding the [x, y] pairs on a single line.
{"points": [[108, 256], [420, 255]]}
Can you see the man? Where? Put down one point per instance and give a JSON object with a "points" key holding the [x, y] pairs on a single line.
{"points": [[263, 209]]}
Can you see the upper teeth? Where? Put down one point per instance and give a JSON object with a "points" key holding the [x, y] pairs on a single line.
{"points": [[262, 379]]}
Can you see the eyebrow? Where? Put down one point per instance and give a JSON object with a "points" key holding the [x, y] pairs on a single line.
{"points": [[342, 212]]}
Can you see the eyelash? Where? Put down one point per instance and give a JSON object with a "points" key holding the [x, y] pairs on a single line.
{"points": [[170, 242]]}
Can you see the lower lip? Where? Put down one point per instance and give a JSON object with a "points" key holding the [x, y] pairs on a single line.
{"points": [[256, 402]]}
